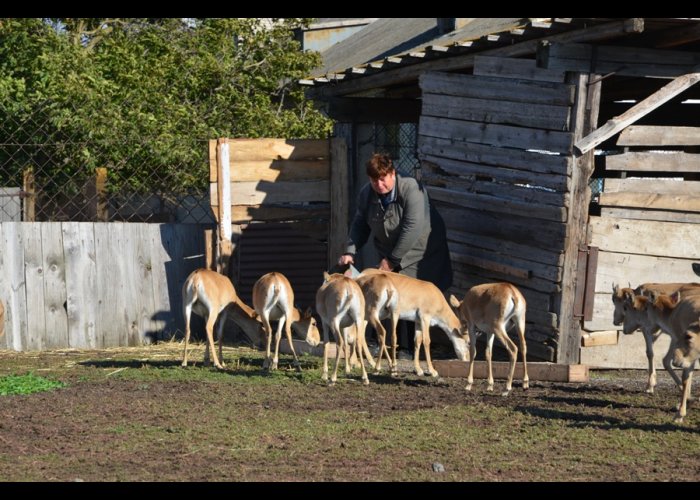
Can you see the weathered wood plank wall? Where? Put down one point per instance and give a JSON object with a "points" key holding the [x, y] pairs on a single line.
{"points": [[94, 285], [496, 151], [648, 230]]}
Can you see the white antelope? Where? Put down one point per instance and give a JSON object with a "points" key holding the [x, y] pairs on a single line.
{"points": [[633, 318], [210, 295], [340, 303], [381, 302], [423, 303], [273, 299], [490, 308]]}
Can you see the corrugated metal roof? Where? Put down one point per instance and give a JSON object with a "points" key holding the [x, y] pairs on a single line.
{"points": [[397, 36], [390, 43]]}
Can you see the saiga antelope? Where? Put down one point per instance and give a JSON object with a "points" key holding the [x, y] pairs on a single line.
{"points": [[340, 303], [273, 299], [490, 308], [210, 295]]}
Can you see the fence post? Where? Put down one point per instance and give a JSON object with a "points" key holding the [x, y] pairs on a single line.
{"points": [[97, 196], [225, 247], [29, 195]]}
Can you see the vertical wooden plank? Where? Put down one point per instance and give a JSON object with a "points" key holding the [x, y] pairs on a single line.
{"points": [[81, 286], [54, 286], [164, 320], [16, 302], [97, 196], [209, 249], [584, 114], [141, 238], [591, 271], [133, 291], [29, 188], [223, 167], [34, 278], [339, 200], [113, 284]]}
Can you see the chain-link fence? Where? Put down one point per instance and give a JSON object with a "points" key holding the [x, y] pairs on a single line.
{"points": [[43, 178], [109, 119]]}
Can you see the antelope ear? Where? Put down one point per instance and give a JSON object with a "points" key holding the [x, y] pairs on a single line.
{"points": [[308, 313], [675, 297], [326, 276], [455, 302], [616, 289]]}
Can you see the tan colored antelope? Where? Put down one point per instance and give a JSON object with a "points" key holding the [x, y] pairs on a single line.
{"points": [[490, 308], [688, 350], [675, 315], [423, 303], [273, 299], [210, 295], [632, 318], [381, 302], [340, 303]]}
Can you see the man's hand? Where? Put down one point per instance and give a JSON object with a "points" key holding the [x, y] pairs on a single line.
{"points": [[384, 265], [346, 259]]}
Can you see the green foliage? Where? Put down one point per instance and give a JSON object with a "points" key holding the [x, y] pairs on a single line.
{"points": [[142, 96], [26, 384]]}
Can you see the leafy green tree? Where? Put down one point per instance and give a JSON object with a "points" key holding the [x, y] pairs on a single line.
{"points": [[143, 96]]}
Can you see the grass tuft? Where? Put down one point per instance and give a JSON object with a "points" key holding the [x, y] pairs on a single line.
{"points": [[26, 384]]}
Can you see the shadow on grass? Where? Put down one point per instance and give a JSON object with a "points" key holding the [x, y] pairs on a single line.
{"points": [[603, 422]]}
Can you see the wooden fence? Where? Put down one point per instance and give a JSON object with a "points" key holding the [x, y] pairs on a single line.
{"points": [[94, 285]]}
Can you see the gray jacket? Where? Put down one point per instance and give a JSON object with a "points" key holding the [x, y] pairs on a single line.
{"points": [[402, 233]]}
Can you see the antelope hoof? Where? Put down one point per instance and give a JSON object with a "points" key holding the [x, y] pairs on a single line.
{"points": [[649, 390], [331, 383], [526, 385], [419, 372], [434, 373], [678, 419], [184, 363], [468, 387], [365, 381], [490, 388], [505, 393]]}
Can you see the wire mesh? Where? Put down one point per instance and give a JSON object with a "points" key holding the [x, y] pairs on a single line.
{"points": [[400, 142]]}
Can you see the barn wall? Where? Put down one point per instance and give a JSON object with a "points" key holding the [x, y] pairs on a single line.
{"points": [[94, 285], [496, 151], [648, 229]]}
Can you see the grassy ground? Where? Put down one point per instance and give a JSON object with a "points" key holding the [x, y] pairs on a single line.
{"points": [[134, 414]]}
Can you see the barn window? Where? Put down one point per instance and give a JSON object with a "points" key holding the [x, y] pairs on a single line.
{"points": [[398, 140]]}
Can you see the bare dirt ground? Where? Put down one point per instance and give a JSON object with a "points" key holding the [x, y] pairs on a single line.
{"points": [[135, 415]]}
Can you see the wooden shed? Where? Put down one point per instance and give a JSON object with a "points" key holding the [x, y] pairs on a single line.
{"points": [[562, 153]]}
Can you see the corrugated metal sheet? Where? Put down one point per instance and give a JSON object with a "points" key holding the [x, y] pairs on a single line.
{"points": [[284, 248]]}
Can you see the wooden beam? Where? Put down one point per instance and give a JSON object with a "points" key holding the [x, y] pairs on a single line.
{"points": [[606, 337], [367, 109], [676, 161], [641, 109], [622, 61], [340, 200], [412, 72], [536, 371], [649, 135], [677, 202]]}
